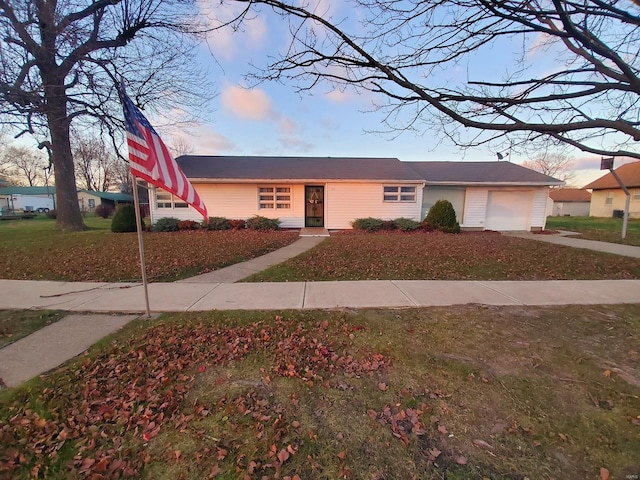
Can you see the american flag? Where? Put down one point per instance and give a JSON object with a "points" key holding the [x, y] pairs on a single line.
{"points": [[150, 159]]}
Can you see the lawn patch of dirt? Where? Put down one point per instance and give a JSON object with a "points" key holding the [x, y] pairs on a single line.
{"points": [[438, 256], [459, 393]]}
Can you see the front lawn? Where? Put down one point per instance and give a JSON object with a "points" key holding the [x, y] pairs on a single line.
{"points": [[16, 324], [35, 250], [457, 393], [601, 229], [437, 256]]}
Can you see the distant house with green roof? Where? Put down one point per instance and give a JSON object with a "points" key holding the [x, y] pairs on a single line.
{"points": [[90, 199]]}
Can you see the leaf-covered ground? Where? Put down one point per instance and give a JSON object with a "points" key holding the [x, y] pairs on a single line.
{"points": [[110, 257], [438, 256], [457, 393]]}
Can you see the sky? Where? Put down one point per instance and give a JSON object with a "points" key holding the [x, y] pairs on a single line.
{"points": [[272, 119]]}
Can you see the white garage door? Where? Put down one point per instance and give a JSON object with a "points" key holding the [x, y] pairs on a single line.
{"points": [[508, 210]]}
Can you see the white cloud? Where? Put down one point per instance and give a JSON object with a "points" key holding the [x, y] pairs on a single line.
{"points": [[247, 104]]}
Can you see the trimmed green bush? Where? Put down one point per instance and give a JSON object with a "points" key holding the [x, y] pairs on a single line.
{"points": [[406, 224], [368, 224], [442, 217], [124, 220], [218, 223], [166, 224], [262, 223], [388, 225]]}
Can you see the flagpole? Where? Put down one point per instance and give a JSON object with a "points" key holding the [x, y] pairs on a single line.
{"points": [[136, 203]]}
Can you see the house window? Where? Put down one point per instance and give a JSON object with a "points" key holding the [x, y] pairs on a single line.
{"points": [[609, 199], [92, 202], [278, 198], [398, 193], [166, 200], [636, 194]]}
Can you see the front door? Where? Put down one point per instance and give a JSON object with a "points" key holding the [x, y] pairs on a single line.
{"points": [[314, 206]]}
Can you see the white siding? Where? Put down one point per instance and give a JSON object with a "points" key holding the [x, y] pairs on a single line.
{"points": [[236, 201], [475, 207], [347, 201], [539, 208]]}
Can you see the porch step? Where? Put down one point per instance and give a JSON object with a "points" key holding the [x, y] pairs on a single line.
{"points": [[314, 232]]}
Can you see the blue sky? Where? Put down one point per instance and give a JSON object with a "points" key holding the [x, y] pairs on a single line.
{"points": [[272, 119]]}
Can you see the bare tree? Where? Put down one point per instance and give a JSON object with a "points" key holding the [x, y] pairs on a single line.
{"points": [[60, 59], [180, 146], [22, 166], [94, 164], [422, 59], [555, 165]]}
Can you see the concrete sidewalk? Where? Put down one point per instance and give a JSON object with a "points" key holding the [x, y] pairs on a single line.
{"points": [[182, 297], [54, 344]]}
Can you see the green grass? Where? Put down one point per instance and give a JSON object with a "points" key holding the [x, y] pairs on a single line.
{"points": [[373, 394], [16, 324], [437, 256], [600, 229]]}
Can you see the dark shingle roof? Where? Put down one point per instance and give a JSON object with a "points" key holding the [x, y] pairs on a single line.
{"points": [[481, 172], [629, 173], [569, 195], [295, 168]]}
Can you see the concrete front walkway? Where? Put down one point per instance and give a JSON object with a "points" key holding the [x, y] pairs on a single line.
{"points": [[235, 273]]}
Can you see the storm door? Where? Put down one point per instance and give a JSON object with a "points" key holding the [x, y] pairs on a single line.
{"points": [[314, 206]]}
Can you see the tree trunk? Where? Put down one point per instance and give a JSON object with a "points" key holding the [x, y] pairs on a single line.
{"points": [[69, 216]]}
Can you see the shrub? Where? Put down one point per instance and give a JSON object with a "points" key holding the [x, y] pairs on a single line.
{"points": [[367, 224], [166, 224], [52, 214], [406, 224], [104, 210], [188, 225], [124, 220], [262, 223], [443, 217], [238, 224], [426, 226], [219, 223], [388, 225]]}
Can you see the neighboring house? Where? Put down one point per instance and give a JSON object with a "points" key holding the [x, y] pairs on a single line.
{"points": [[332, 192], [569, 202], [607, 195], [89, 199], [37, 199]]}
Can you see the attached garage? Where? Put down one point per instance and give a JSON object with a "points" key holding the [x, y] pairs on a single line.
{"points": [[508, 210], [501, 196]]}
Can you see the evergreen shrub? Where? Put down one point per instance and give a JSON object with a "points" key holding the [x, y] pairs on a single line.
{"points": [[124, 220]]}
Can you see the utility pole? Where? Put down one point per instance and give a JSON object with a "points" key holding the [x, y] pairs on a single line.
{"points": [[607, 164]]}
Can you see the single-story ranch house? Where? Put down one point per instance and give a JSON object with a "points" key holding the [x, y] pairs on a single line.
{"points": [[332, 192]]}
